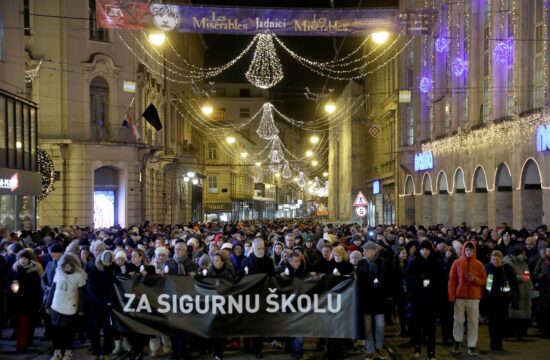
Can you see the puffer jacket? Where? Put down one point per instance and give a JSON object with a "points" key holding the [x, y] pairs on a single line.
{"points": [[459, 287]]}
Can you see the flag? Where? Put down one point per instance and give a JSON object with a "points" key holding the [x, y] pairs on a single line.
{"points": [[152, 116], [129, 123]]}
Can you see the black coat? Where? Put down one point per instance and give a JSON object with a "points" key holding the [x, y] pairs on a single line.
{"points": [[372, 294], [28, 299], [257, 265], [430, 270], [100, 286]]}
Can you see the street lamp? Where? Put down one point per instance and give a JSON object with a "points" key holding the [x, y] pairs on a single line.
{"points": [[258, 163], [314, 139], [325, 174], [309, 153], [244, 154], [230, 140], [157, 38], [330, 107], [191, 174], [207, 109], [380, 37], [195, 181], [314, 162]]}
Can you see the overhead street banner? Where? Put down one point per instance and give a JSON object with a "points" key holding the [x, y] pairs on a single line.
{"points": [[255, 306], [132, 15]]}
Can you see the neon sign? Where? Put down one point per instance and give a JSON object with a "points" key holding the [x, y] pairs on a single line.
{"points": [[423, 161], [543, 138]]}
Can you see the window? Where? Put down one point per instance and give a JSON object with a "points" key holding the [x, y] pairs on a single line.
{"points": [[212, 184], [244, 92], [244, 113], [96, 33], [410, 126], [410, 66], [219, 114], [99, 106], [27, 17], [212, 151]]}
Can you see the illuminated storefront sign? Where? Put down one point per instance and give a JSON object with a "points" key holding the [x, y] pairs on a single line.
{"points": [[12, 183], [423, 161], [543, 138]]}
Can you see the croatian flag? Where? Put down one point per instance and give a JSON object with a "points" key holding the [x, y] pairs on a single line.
{"points": [[129, 123]]}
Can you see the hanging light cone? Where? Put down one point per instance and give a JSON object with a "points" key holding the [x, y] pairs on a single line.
{"points": [[265, 70], [316, 184], [302, 180], [276, 154], [267, 129], [286, 170]]}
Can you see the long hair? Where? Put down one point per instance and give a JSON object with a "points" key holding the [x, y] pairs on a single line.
{"points": [[73, 260]]}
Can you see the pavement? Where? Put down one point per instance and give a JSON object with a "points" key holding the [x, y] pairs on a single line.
{"points": [[532, 348]]}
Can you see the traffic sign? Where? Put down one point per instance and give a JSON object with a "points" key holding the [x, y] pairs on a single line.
{"points": [[361, 211], [360, 200]]}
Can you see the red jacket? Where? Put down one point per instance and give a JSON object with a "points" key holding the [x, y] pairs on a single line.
{"points": [[461, 288]]}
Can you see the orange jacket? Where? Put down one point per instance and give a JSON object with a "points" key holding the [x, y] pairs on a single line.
{"points": [[461, 288]]}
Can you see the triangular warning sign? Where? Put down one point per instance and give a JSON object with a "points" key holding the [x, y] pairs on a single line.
{"points": [[360, 200]]}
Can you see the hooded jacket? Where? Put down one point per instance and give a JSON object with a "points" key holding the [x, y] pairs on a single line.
{"points": [[461, 288]]}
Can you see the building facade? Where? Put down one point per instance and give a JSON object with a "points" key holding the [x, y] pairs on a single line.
{"points": [[20, 181], [91, 79], [473, 140]]}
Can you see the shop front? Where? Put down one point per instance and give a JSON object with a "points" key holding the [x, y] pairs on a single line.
{"points": [[18, 191], [218, 211]]}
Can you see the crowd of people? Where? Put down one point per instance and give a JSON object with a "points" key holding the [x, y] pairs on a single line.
{"points": [[455, 277]]}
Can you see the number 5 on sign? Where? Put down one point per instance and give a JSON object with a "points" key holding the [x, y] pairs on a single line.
{"points": [[361, 211]]}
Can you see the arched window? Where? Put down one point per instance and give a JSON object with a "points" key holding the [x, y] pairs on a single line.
{"points": [[99, 108]]}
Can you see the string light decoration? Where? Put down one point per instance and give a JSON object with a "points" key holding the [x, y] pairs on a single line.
{"points": [[442, 42], [460, 66], [426, 85], [502, 52], [286, 170], [441, 45], [265, 70], [302, 180], [31, 73], [47, 170], [267, 129], [518, 131], [276, 154]]}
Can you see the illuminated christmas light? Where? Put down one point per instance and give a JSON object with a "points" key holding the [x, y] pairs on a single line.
{"points": [[267, 129], [426, 85], [441, 45], [265, 70], [459, 67], [502, 52], [286, 170]]}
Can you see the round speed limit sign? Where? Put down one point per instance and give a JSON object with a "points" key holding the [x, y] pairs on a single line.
{"points": [[361, 211]]}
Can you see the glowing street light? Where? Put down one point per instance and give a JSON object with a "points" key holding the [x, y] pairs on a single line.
{"points": [[314, 162], [314, 139], [230, 140], [195, 181], [330, 107], [244, 154], [191, 174], [157, 38], [207, 109], [258, 163], [380, 37], [325, 174], [309, 153], [186, 178]]}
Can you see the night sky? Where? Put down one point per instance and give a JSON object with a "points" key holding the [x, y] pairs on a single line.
{"points": [[288, 94]]}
